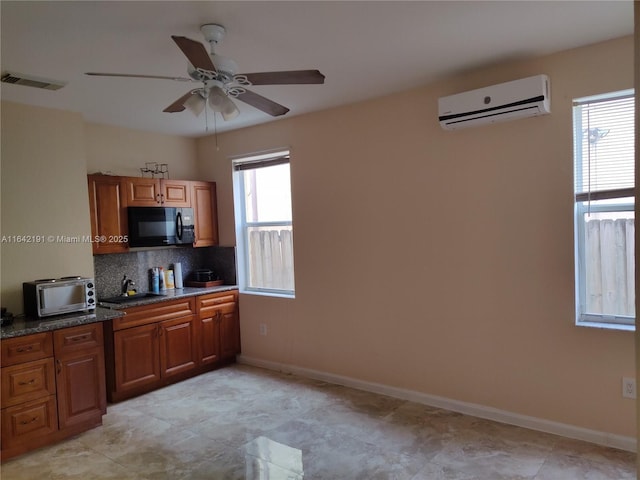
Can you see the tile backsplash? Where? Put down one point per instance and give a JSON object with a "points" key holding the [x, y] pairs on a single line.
{"points": [[109, 269]]}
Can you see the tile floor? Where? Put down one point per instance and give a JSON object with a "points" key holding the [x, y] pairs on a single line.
{"points": [[247, 423]]}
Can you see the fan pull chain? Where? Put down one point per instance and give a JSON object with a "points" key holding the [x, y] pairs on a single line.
{"points": [[215, 131]]}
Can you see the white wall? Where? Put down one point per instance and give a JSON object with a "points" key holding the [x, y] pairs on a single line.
{"points": [[44, 192], [441, 262], [122, 151]]}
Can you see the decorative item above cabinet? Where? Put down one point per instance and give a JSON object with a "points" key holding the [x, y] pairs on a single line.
{"points": [[109, 197]]}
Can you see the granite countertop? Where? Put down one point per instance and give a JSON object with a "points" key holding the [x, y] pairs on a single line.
{"points": [[105, 311], [27, 325], [167, 295]]}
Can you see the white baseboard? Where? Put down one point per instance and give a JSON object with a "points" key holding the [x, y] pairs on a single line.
{"points": [[601, 438]]}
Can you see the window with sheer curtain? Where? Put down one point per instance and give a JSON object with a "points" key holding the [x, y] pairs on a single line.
{"points": [[264, 227], [604, 208]]}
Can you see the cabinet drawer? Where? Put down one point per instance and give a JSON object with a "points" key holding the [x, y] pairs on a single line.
{"points": [[214, 299], [27, 381], [27, 421], [224, 309], [156, 312], [27, 348], [77, 338]]}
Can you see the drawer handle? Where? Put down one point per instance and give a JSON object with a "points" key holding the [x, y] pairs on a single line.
{"points": [[28, 348], [59, 363], [79, 338], [27, 422], [30, 382]]}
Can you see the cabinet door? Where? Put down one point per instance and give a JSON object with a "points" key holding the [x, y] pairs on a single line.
{"points": [[209, 336], [81, 387], [178, 348], [107, 204], [175, 193], [137, 358], [142, 192], [203, 199], [229, 332]]}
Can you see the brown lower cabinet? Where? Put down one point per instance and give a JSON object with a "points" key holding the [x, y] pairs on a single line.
{"points": [[138, 363], [155, 345], [59, 393], [219, 327]]}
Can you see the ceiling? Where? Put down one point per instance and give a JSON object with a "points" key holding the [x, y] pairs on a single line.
{"points": [[364, 48]]}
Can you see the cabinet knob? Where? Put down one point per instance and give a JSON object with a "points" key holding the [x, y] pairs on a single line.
{"points": [[59, 366]]}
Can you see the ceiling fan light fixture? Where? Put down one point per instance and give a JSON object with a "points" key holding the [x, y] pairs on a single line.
{"points": [[230, 111], [217, 99], [195, 104], [221, 103]]}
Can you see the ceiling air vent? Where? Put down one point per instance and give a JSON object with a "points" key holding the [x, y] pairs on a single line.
{"points": [[31, 81]]}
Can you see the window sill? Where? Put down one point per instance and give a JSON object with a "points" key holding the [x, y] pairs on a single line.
{"points": [[607, 326], [266, 293]]}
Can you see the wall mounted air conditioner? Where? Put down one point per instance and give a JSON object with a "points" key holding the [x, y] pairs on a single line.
{"points": [[522, 98]]}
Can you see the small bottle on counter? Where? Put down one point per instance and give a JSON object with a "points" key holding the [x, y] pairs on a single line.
{"points": [[154, 280], [168, 279], [163, 285]]}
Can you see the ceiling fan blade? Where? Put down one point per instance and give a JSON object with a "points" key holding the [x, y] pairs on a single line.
{"points": [[195, 52], [285, 78], [262, 103], [178, 105], [133, 75]]}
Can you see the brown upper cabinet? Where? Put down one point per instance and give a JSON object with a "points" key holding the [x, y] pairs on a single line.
{"points": [[152, 192], [107, 204], [205, 212], [109, 197]]}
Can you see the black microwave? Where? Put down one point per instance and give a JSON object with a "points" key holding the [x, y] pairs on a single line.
{"points": [[160, 226]]}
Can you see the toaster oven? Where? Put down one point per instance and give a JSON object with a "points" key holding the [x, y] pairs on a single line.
{"points": [[56, 296]]}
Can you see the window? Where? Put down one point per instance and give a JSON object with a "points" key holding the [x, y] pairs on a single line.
{"points": [[604, 208], [264, 228]]}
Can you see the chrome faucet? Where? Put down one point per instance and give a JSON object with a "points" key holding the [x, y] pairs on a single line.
{"points": [[126, 285]]}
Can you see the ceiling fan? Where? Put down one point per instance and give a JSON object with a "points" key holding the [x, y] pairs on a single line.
{"points": [[220, 80]]}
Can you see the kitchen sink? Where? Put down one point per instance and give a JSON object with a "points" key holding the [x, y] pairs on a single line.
{"points": [[131, 298]]}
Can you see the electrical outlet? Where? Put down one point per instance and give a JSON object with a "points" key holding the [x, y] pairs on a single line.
{"points": [[263, 329], [629, 387]]}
